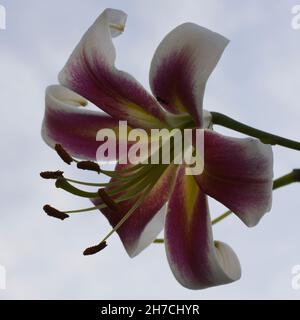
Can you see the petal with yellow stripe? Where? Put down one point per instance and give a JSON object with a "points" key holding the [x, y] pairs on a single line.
{"points": [[196, 260]]}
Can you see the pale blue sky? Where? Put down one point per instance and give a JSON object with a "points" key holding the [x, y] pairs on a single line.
{"points": [[257, 81]]}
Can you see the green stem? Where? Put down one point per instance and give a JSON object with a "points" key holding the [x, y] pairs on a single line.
{"points": [[293, 176], [221, 217], [289, 178], [265, 137], [159, 241]]}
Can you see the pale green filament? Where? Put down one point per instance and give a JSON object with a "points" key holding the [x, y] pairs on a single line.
{"points": [[140, 200]]}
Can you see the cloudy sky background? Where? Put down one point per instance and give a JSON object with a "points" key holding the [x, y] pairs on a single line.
{"points": [[257, 81]]}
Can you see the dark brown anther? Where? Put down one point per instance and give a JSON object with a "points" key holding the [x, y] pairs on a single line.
{"points": [[63, 154], [88, 165], [51, 174], [95, 249], [108, 200], [52, 212], [296, 173]]}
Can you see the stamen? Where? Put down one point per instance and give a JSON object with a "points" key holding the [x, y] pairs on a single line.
{"points": [[131, 193], [128, 214], [131, 183], [108, 200], [86, 209], [90, 184], [103, 243], [139, 201], [52, 212], [63, 154], [95, 249], [136, 180], [123, 174], [88, 165], [62, 183], [296, 173], [133, 168], [103, 205], [51, 174]]}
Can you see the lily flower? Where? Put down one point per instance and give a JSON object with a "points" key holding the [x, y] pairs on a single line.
{"points": [[142, 200]]}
